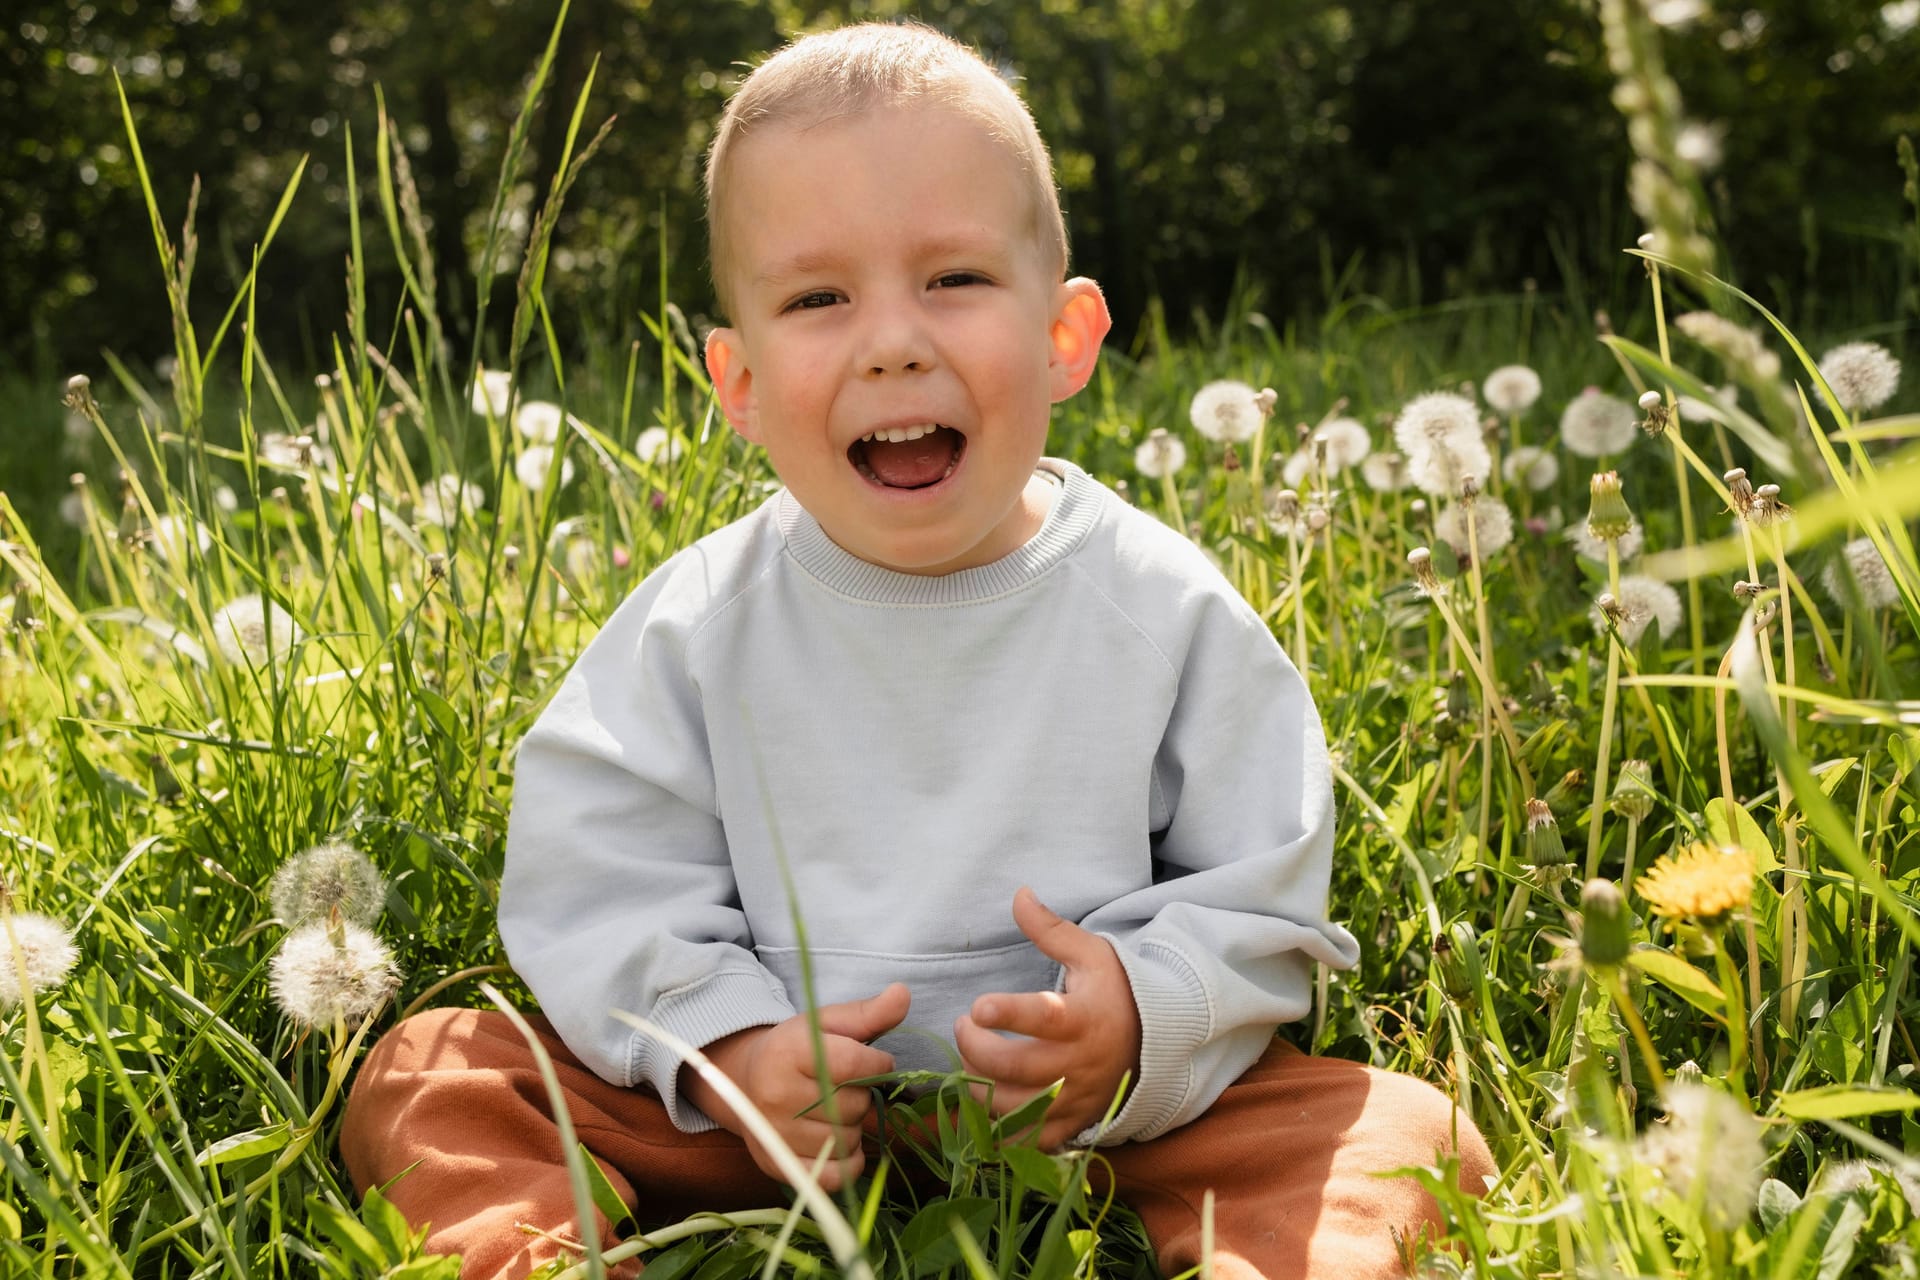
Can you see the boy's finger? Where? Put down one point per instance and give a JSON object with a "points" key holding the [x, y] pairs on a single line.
{"points": [[1018, 1062], [1044, 1015], [1057, 937], [865, 1019], [849, 1060]]}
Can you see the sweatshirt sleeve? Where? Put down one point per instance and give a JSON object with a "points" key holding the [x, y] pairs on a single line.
{"points": [[1220, 948], [618, 891]]}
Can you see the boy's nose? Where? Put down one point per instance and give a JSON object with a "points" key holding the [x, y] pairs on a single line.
{"points": [[897, 342]]}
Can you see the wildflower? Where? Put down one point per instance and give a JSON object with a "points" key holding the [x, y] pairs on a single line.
{"points": [[1702, 882], [170, 534], [658, 447], [1384, 472], [1608, 516], [1511, 389], [1492, 523], [1863, 375], [1738, 346], [535, 467], [1641, 601], [1440, 470], [1225, 411], [1709, 1151], [1595, 424], [249, 629], [1604, 924], [538, 420], [1347, 443], [1438, 419], [327, 970], [1546, 853], [1160, 455], [1861, 566], [492, 392], [1633, 795], [334, 875], [444, 499], [1530, 467], [43, 945]]}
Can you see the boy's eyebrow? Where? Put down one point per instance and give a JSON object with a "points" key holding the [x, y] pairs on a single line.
{"points": [[988, 247]]}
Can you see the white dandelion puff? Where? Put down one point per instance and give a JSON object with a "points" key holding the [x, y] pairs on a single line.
{"points": [[1438, 419], [247, 629], [1641, 601], [1708, 1149], [1441, 469], [324, 972], [293, 453], [1595, 424], [1863, 375], [1160, 455], [1530, 467], [1861, 562], [73, 508], [535, 467], [1385, 471], [658, 447], [1348, 442], [311, 884], [1492, 522], [1900, 17], [169, 536], [446, 498], [46, 949], [1297, 467], [1511, 389], [492, 392], [539, 421], [1225, 411], [1588, 547]]}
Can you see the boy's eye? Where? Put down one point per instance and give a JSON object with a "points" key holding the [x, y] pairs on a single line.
{"points": [[957, 279], [813, 301]]}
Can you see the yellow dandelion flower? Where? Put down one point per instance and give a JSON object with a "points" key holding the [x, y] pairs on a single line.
{"points": [[1701, 882]]}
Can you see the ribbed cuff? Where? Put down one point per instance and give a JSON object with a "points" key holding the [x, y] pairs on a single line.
{"points": [[729, 1001], [1175, 1019]]}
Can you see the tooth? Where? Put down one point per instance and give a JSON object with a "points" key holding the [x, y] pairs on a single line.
{"points": [[867, 438]]}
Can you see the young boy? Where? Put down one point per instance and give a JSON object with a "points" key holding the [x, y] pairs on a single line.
{"points": [[960, 688]]}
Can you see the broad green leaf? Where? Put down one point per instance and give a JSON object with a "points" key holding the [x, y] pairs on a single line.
{"points": [[1038, 1170], [1681, 978], [242, 1146], [1741, 831], [928, 1241], [1840, 1102], [605, 1198]]}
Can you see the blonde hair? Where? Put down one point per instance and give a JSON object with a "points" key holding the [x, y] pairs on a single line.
{"points": [[859, 68]]}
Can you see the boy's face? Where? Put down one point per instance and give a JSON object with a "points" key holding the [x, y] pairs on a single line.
{"points": [[887, 277]]}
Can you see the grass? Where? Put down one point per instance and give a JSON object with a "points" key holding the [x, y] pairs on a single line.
{"points": [[164, 1118]]}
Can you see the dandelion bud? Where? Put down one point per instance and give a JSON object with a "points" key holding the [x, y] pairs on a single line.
{"points": [[1456, 955], [1689, 1072], [1546, 854], [1608, 517], [1420, 560], [331, 970], [329, 877], [39, 944], [1264, 400], [1568, 794], [1739, 491], [323, 380], [436, 566], [1604, 926], [1602, 322], [1632, 796], [1459, 706]]}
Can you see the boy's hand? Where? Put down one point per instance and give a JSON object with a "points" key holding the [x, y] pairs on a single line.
{"points": [[774, 1067], [1088, 1034]]}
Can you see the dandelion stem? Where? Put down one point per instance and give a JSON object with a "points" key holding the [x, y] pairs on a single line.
{"points": [[1607, 707], [1490, 691], [1616, 984], [1696, 621]]}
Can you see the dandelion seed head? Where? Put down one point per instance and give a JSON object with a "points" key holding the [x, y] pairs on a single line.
{"points": [[312, 883], [1861, 561], [170, 534], [1160, 455], [1511, 389], [1709, 1148], [1297, 468], [1440, 469], [1348, 443], [1700, 882], [46, 947], [538, 420], [446, 498], [657, 446], [492, 392], [1492, 522], [1863, 375], [1641, 602], [1588, 547], [247, 629], [1595, 424], [1530, 467], [323, 971], [1225, 411], [1385, 471], [1440, 419], [293, 453], [535, 467]]}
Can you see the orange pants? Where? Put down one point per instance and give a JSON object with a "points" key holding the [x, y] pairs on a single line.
{"points": [[452, 1099]]}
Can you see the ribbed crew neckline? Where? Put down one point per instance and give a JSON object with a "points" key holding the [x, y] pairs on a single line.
{"points": [[1075, 508]]}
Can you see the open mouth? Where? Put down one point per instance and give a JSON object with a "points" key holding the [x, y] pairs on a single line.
{"points": [[915, 457]]}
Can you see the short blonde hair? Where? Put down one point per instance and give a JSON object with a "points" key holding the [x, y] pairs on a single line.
{"points": [[871, 65]]}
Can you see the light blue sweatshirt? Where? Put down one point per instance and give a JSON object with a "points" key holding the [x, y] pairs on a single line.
{"points": [[1098, 715]]}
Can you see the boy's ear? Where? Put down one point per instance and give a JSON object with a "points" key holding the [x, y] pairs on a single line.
{"points": [[732, 382], [1079, 326]]}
